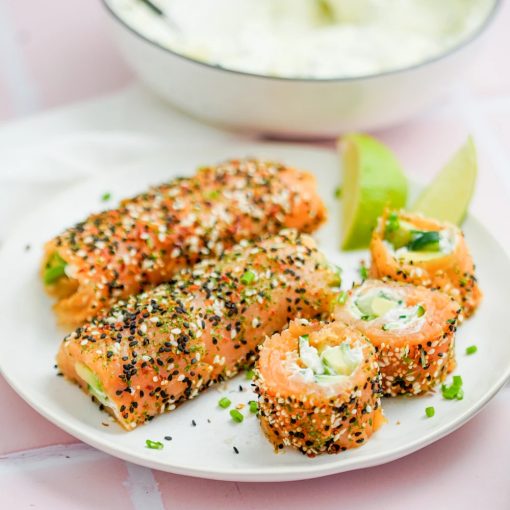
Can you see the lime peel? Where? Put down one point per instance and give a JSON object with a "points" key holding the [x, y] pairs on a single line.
{"points": [[448, 196], [373, 180]]}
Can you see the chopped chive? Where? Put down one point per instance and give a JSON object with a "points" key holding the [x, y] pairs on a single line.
{"points": [[106, 197], [363, 272], [457, 381], [247, 277], [154, 445], [392, 222], [451, 392], [421, 311], [249, 374], [451, 321], [338, 192], [342, 297], [423, 362], [385, 327], [430, 411], [224, 402], [254, 406], [214, 194], [460, 394], [365, 317], [471, 350], [305, 338], [236, 415]]}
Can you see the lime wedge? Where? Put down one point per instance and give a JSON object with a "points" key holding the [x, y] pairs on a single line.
{"points": [[447, 197], [373, 179]]}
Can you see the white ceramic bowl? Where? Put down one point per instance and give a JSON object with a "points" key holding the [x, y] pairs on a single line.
{"points": [[296, 108]]}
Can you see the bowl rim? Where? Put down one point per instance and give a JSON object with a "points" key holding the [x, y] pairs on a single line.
{"points": [[478, 32]]}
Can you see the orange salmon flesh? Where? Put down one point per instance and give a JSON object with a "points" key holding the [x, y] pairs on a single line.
{"points": [[453, 273], [308, 416], [144, 242], [169, 344], [412, 359]]}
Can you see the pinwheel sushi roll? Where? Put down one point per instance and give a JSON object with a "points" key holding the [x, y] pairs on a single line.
{"points": [[412, 329], [124, 251], [412, 249], [319, 388], [165, 346]]}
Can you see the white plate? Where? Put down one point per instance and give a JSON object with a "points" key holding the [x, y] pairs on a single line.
{"points": [[29, 342]]}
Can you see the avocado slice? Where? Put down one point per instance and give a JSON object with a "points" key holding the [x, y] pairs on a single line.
{"points": [[420, 256], [338, 360], [329, 379], [400, 236], [54, 269], [94, 385], [364, 304], [381, 306]]}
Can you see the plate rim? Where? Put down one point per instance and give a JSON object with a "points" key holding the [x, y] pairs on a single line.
{"points": [[259, 474]]}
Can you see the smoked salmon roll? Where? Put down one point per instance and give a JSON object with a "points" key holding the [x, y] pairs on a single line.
{"points": [[151, 353], [124, 251], [412, 249], [319, 388], [412, 329]]}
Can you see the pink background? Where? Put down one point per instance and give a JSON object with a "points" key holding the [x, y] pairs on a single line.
{"points": [[57, 52]]}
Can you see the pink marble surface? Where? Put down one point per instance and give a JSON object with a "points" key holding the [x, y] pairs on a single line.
{"points": [[57, 52]]}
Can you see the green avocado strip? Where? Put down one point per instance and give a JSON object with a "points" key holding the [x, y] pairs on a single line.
{"points": [[55, 269]]}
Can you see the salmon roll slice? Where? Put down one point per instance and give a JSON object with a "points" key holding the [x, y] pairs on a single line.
{"points": [[144, 242], [412, 249], [319, 388], [167, 345], [412, 329]]}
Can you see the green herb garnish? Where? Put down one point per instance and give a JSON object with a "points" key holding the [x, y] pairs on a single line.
{"points": [[454, 391], [214, 195], [392, 223], [254, 406], [341, 298], [363, 272], [471, 350], [236, 415], [106, 197], [249, 374], [247, 277], [224, 402], [154, 445], [430, 411]]}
